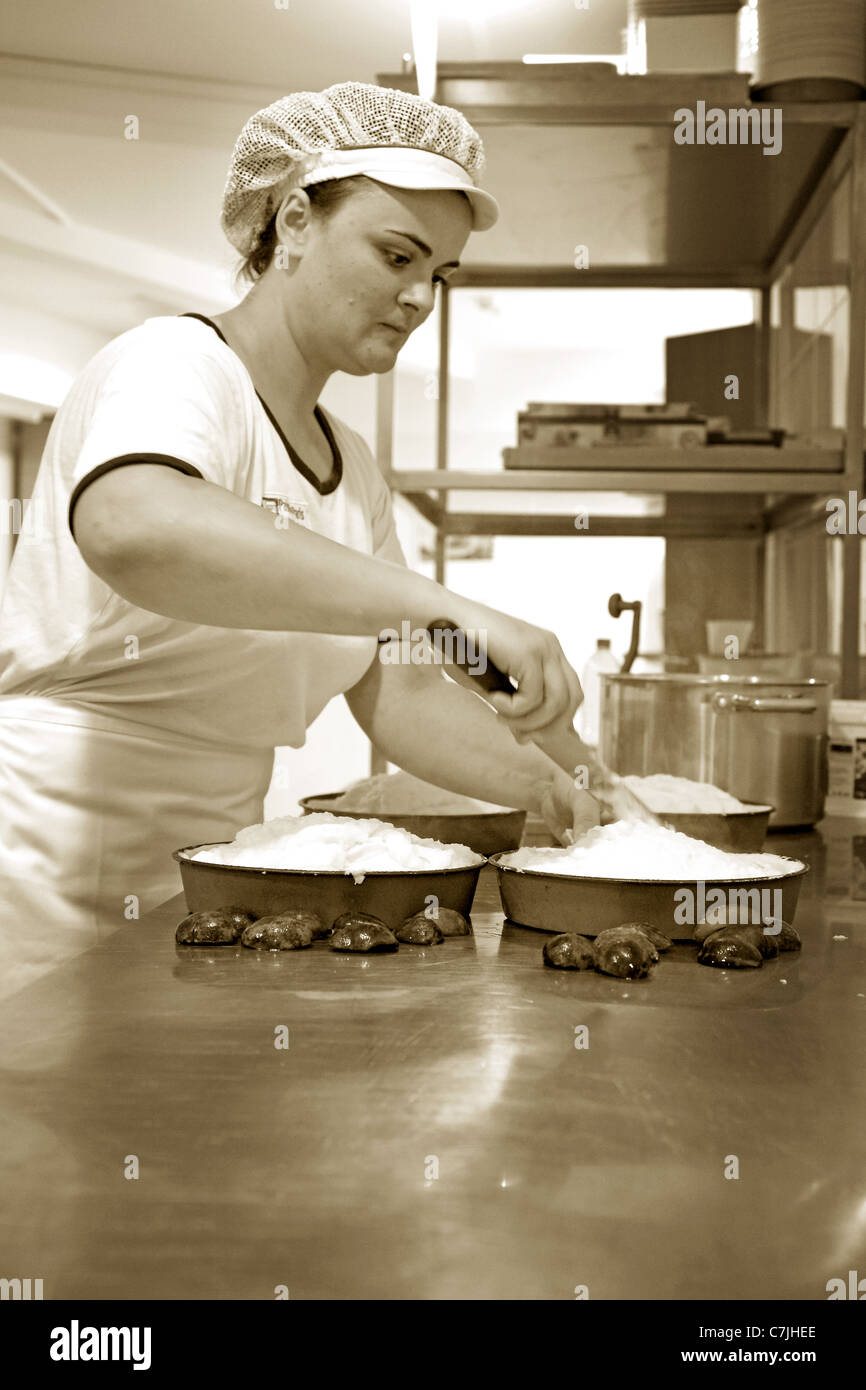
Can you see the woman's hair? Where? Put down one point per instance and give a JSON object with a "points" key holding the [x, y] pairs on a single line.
{"points": [[325, 199]]}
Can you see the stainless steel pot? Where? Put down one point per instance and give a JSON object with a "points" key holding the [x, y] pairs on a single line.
{"points": [[760, 739]]}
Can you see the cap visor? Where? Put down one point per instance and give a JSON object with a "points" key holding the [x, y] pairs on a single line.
{"points": [[485, 209]]}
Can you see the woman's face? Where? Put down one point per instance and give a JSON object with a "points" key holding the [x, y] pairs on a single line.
{"points": [[365, 275]]}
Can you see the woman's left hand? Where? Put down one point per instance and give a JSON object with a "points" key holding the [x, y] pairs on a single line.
{"points": [[568, 810]]}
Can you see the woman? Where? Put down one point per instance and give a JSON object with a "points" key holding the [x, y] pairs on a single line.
{"points": [[221, 553]]}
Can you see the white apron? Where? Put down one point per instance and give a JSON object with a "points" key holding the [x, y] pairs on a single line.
{"points": [[113, 755], [93, 807]]}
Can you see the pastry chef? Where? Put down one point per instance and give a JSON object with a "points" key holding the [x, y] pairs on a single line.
{"points": [[217, 554]]}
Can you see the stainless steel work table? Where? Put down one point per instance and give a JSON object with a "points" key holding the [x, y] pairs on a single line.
{"points": [[314, 1167]]}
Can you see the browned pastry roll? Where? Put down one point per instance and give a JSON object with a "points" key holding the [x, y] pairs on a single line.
{"points": [[625, 952], [222, 926], [361, 931], [730, 949], [766, 944], [569, 951], [285, 931], [451, 922], [788, 938], [419, 930], [658, 938]]}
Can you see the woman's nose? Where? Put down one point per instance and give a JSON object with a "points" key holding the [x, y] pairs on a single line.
{"points": [[421, 297]]}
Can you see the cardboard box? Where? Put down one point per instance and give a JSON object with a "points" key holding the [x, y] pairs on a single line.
{"points": [[846, 759]]}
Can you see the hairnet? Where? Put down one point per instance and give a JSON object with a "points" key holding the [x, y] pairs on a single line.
{"points": [[351, 128]]}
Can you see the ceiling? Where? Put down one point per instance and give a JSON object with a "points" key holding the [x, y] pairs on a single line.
{"points": [[296, 44], [99, 230]]}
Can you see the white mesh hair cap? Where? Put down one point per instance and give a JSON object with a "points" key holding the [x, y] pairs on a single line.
{"points": [[350, 128]]}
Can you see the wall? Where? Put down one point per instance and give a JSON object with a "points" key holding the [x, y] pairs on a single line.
{"points": [[41, 352]]}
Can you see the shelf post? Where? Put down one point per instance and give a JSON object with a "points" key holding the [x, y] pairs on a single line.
{"points": [[854, 412], [442, 423]]}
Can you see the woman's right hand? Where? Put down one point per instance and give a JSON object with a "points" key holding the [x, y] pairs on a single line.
{"points": [[548, 689]]}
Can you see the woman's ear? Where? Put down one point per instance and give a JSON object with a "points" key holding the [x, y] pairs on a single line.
{"points": [[293, 222]]}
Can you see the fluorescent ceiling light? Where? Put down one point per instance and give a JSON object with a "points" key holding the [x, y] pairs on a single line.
{"points": [[425, 45], [478, 11]]}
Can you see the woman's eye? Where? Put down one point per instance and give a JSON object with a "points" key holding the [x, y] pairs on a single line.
{"points": [[396, 259]]}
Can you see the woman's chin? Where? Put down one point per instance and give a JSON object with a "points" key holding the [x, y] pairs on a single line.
{"points": [[374, 357]]}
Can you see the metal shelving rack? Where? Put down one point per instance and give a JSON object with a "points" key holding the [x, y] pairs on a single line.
{"points": [[731, 222]]}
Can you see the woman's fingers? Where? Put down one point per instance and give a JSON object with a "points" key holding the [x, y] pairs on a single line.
{"points": [[547, 688], [554, 706], [554, 696], [527, 670], [568, 811], [575, 692]]}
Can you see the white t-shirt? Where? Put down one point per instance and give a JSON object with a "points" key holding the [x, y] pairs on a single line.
{"points": [[172, 390]]}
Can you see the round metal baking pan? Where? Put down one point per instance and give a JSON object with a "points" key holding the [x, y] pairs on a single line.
{"points": [[740, 832], [391, 896], [560, 902], [485, 832]]}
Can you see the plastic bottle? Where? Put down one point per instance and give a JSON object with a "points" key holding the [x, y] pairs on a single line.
{"points": [[601, 660]]}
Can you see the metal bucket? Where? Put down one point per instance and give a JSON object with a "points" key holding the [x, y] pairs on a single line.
{"points": [[762, 740]]}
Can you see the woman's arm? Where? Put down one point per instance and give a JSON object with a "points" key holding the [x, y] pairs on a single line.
{"points": [[196, 552], [448, 735]]}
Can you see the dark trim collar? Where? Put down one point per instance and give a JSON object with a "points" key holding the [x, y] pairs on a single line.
{"points": [[332, 482]]}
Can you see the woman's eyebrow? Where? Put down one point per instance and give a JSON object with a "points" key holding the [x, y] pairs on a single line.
{"points": [[422, 245]]}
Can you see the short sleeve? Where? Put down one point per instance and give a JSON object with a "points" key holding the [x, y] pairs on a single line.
{"points": [[386, 545], [164, 399]]}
